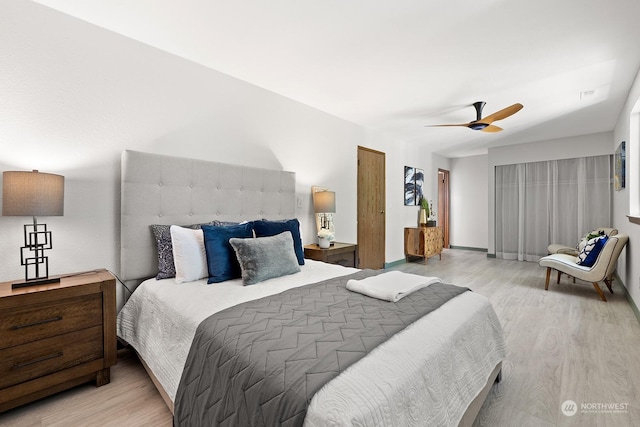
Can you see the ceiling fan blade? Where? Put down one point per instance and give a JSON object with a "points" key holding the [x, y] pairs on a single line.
{"points": [[502, 114], [492, 128], [457, 124]]}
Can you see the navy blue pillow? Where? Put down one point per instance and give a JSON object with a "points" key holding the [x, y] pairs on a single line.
{"points": [[266, 228], [221, 258]]}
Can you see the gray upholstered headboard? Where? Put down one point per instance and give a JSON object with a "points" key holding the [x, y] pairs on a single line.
{"points": [[158, 189]]}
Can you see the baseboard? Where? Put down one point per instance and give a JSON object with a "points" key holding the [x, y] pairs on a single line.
{"points": [[394, 263], [491, 255], [632, 303], [468, 248]]}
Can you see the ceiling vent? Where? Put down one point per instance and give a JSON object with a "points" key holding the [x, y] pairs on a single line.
{"points": [[587, 94]]}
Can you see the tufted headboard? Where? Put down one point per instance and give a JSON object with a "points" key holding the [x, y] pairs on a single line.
{"points": [[159, 189]]}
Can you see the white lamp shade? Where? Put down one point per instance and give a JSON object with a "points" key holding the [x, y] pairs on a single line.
{"points": [[32, 194], [324, 201]]}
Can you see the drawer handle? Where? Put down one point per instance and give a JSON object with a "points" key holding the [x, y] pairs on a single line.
{"points": [[39, 322], [38, 360]]}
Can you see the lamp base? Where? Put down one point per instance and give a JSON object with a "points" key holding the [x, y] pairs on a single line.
{"points": [[35, 282]]}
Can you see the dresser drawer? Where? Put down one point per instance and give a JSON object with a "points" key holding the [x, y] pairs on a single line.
{"points": [[35, 359], [26, 324]]}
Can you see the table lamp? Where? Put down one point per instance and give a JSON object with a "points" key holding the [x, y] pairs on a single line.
{"points": [[33, 194], [324, 202]]}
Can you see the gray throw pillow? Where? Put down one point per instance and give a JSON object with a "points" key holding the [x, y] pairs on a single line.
{"points": [[264, 258]]}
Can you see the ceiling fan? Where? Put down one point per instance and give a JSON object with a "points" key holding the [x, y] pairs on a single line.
{"points": [[485, 123]]}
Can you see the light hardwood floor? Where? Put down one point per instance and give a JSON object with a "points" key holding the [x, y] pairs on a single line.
{"points": [[562, 344]]}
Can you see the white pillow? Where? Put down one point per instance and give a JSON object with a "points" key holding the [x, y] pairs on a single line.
{"points": [[188, 254]]}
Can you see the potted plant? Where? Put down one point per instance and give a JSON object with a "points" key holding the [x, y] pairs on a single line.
{"points": [[423, 214], [325, 237]]}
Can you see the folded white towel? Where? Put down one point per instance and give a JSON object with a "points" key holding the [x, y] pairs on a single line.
{"points": [[391, 286]]}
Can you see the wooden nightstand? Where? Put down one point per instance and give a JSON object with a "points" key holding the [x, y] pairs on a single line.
{"points": [[56, 336], [344, 254]]}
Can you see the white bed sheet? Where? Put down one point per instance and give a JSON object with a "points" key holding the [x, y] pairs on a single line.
{"points": [[425, 375]]}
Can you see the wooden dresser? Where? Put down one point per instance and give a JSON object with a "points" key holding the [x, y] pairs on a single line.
{"points": [[56, 336], [423, 242], [345, 254]]}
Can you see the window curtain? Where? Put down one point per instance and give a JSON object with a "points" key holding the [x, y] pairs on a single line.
{"points": [[550, 202]]}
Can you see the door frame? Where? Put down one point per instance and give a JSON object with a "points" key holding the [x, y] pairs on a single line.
{"points": [[443, 205]]}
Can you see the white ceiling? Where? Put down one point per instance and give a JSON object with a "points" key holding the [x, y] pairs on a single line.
{"points": [[397, 65]]}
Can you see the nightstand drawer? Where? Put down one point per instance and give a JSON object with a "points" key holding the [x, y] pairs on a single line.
{"points": [[344, 254], [38, 358], [22, 325], [345, 259]]}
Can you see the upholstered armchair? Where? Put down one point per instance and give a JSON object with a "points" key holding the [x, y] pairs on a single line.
{"points": [[558, 248], [601, 271]]}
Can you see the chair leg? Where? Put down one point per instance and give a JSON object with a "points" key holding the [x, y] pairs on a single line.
{"points": [[546, 284], [609, 283], [559, 274], [599, 291]]}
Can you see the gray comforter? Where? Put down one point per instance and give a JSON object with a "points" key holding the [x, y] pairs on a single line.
{"points": [[260, 363]]}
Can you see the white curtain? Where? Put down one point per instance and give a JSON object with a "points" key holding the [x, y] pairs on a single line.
{"points": [[550, 202]]}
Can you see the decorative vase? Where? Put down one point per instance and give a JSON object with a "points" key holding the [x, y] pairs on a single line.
{"points": [[422, 218], [323, 242]]}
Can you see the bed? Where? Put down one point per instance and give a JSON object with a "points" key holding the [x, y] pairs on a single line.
{"points": [[436, 371]]}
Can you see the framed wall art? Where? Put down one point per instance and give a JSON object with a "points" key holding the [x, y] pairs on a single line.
{"points": [[619, 167], [413, 182]]}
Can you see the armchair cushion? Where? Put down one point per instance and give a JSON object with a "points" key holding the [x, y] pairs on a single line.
{"points": [[557, 248], [589, 253]]}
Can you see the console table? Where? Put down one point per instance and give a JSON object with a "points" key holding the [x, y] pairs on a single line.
{"points": [[423, 242]]}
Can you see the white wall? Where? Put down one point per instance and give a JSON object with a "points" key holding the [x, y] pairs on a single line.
{"points": [[437, 162], [75, 95], [596, 144], [469, 199], [628, 264], [418, 157]]}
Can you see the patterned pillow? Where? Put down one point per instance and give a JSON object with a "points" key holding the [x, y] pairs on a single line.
{"points": [[162, 234], [590, 235], [589, 254]]}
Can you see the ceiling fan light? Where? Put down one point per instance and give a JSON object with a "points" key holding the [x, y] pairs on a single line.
{"points": [[477, 126]]}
